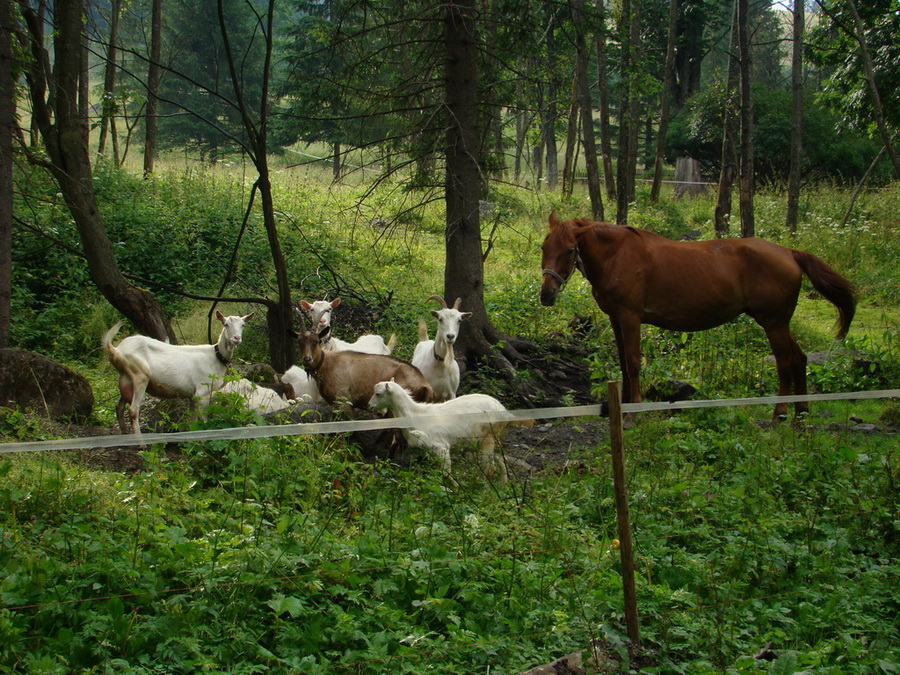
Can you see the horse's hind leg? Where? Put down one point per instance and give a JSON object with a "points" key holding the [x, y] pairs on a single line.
{"points": [[790, 362]]}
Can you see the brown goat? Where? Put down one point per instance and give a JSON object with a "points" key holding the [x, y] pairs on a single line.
{"points": [[352, 376]]}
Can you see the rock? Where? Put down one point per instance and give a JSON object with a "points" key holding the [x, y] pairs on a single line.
{"points": [[32, 381], [260, 373], [670, 390], [567, 665]]}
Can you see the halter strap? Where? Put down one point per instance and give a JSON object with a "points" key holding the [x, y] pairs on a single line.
{"points": [[559, 278]]}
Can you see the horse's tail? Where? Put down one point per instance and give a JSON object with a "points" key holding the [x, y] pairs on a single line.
{"points": [[833, 287]]}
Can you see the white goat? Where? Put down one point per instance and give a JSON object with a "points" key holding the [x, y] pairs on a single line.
{"points": [[256, 399], [149, 366], [435, 358], [304, 386], [445, 424], [320, 315]]}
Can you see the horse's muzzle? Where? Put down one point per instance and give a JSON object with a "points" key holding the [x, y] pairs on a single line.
{"points": [[548, 295]]}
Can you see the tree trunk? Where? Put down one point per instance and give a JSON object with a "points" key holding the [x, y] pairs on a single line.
{"points": [[109, 106], [628, 120], [688, 180], [668, 78], [571, 160], [65, 141], [586, 111], [7, 131], [464, 269], [794, 175], [550, 108], [728, 153], [152, 86], [280, 312], [336, 162], [748, 227], [609, 178]]}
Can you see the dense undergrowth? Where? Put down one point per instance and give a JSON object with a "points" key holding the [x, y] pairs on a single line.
{"points": [[294, 555]]}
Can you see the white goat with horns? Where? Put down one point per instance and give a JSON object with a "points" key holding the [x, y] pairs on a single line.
{"points": [[320, 316], [435, 358], [161, 369]]}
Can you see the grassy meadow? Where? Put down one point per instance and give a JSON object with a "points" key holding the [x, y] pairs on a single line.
{"points": [[293, 555]]}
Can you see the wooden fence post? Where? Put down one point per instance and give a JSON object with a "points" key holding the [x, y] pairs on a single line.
{"points": [[617, 445]]}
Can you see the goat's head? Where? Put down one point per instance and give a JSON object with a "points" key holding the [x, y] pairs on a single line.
{"points": [[320, 311], [383, 395], [309, 346], [233, 327], [448, 319]]}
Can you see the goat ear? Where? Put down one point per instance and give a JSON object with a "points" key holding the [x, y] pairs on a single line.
{"points": [[335, 302], [435, 314], [249, 316], [305, 305], [465, 315], [220, 316]]}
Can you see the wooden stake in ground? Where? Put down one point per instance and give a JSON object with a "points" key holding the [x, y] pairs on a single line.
{"points": [[617, 445]]}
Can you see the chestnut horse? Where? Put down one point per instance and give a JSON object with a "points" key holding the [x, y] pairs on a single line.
{"points": [[639, 277]]}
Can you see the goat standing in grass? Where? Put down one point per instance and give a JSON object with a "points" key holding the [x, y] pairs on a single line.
{"points": [[320, 316], [435, 358], [445, 424], [161, 369], [351, 376]]}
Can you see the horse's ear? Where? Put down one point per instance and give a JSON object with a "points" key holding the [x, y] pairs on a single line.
{"points": [[554, 221]]}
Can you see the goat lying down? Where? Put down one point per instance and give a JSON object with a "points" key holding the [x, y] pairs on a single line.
{"points": [[256, 399], [303, 386], [351, 376], [320, 316], [445, 424], [161, 369]]}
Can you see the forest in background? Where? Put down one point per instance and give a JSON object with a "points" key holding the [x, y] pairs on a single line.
{"points": [[447, 102]]}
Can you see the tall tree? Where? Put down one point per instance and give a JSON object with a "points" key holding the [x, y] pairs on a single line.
{"points": [[609, 178], [153, 68], [256, 127], [629, 32], [745, 166], [7, 133], [728, 151], [794, 176], [861, 44], [64, 130], [586, 110], [464, 267], [109, 109], [665, 97], [869, 70]]}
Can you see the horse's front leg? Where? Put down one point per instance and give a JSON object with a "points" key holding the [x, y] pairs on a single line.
{"points": [[627, 331]]}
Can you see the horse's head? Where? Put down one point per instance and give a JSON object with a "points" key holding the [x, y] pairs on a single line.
{"points": [[558, 260]]}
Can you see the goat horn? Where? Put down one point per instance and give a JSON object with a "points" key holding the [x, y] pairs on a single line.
{"points": [[439, 299], [456, 304]]}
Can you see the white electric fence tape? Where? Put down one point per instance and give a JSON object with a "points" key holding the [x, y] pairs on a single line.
{"points": [[306, 429]]}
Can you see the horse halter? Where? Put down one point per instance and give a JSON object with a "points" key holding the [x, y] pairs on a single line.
{"points": [[563, 281]]}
